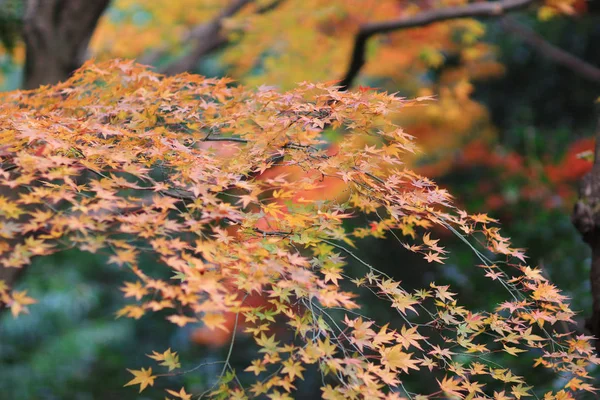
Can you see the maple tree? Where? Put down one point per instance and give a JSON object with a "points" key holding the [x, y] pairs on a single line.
{"points": [[118, 161], [242, 196]]}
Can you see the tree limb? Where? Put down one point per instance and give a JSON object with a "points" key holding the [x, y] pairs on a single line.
{"points": [[586, 218], [207, 37], [481, 10], [548, 50]]}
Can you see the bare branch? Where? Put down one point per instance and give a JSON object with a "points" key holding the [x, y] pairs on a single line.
{"points": [[481, 10], [550, 51]]}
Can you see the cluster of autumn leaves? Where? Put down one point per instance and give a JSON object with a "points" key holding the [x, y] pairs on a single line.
{"points": [[283, 42], [125, 163]]}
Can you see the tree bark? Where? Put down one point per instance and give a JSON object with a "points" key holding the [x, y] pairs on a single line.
{"points": [[586, 218], [57, 34]]}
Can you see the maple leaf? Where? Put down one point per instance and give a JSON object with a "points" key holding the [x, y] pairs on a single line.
{"points": [[548, 292], [292, 368], [514, 351], [442, 293], [452, 386], [181, 320], [383, 336], [404, 302], [131, 311], [19, 302], [122, 257], [482, 218], [257, 367], [134, 290], [142, 377], [501, 396], [441, 352], [168, 359], [215, 320], [520, 390], [181, 394], [394, 358], [279, 396], [410, 337], [431, 257], [267, 344]]}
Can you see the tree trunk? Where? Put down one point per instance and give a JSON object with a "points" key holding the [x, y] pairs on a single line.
{"points": [[586, 218], [57, 33]]}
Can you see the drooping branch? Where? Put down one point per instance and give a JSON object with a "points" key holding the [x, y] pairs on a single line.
{"points": [[480, 10], [548, 50], [57, 33]]}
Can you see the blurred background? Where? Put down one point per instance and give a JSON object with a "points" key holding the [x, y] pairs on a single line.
{"points": [[504, 135]]}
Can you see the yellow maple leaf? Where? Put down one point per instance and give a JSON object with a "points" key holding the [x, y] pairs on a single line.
{"points": [[514, 351], [292, 368], [19, 302], [142, 377], [394, 358], [451, 386], [520, 391], [169, 359], [134, 290], [215, 320], [181, 394]]}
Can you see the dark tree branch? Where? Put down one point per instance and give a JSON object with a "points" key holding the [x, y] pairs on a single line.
{"points": [[550, 51], [481, 10], [57, 34], [204, 38]]}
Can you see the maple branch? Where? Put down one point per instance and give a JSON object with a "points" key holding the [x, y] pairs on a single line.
{"points": [[272, 233], [187, 196], [548, 50], [366, 31], [224, 139]]}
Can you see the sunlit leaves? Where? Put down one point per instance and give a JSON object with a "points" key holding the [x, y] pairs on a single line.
{"points": [[221, 187]]}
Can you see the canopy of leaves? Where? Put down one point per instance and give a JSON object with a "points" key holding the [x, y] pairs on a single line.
{"points": [[127, 163]]}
